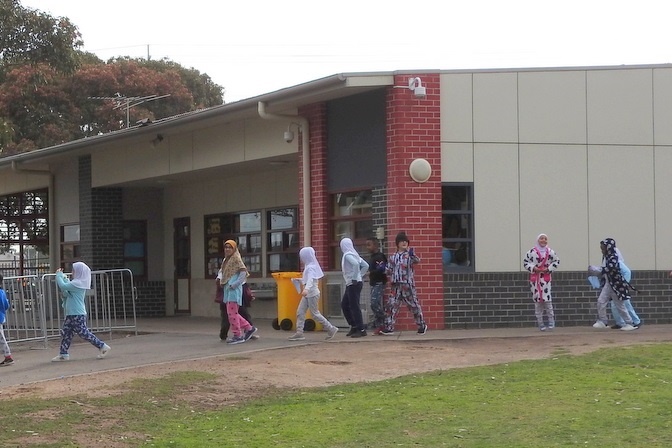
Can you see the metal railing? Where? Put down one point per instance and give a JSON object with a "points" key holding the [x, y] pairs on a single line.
{"points": [[36, 312]]}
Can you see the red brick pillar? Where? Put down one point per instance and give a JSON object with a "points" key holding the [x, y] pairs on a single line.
{"points": [[317, 119], [413, 131]]}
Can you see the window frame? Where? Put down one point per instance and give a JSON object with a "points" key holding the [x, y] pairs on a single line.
{"points": [[469, 240], [334, 221], [141, 259]]}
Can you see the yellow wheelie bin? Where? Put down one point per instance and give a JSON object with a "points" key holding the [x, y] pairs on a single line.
{"points": [[288, 302]]}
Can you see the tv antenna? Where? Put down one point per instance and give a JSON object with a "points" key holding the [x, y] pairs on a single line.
{"points": [[126, 102]]}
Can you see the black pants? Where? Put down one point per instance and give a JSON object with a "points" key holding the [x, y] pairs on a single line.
{"points": [[224, 330], [350, 305]]}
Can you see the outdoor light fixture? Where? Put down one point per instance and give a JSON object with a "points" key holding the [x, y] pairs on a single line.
{"points": [[415, 86], [289, 134], [420, 170], [156, 140]]}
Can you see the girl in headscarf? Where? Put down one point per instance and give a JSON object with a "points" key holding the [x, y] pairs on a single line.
{"points": [[614, 286], [74, 308], [234, 274], [540, 261], [310, 295], [354, 267]]}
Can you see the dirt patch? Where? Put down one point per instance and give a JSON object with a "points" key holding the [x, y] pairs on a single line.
{"points": [[370, 359]]}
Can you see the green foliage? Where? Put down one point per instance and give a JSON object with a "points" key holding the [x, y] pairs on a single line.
{"points": [[613, 397], [29, 37], [47, 85]]}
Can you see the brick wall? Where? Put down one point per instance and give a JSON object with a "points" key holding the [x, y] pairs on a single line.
{"points": [[151, 300], [100, 222], [494, 300], [413, 131], [316, 115]]}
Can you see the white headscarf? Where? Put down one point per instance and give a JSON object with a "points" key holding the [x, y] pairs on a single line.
{"points": [[542, 249], [311, 267], [81, 275], [348, 248]]}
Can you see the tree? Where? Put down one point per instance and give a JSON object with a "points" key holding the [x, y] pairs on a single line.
{"points": [[47, 84], [29, 36]]}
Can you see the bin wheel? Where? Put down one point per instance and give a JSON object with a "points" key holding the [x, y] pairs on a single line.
{"points": [[276, 325], [309, 325], [286, 324]]}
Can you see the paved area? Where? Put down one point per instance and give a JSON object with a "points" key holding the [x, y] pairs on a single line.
{"points": [[162, 340]]}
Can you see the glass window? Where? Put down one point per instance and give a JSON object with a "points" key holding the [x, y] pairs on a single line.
{"points": [[243, 228], [351, 217], [135, 248], [457, 227], [282, 241]]}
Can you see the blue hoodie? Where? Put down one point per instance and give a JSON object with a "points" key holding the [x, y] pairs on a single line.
{"points": [[4, 305]]}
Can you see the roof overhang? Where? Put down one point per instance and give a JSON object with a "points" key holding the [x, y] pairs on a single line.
{"points": [[282, 101]]}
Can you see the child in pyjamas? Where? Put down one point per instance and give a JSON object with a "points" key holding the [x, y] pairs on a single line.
{"points": [[540, 262]]}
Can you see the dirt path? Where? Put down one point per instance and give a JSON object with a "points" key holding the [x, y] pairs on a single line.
{"points": [[369, 359]]}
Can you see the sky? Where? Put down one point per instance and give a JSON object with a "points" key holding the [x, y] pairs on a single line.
{"points": [[254, 47]]}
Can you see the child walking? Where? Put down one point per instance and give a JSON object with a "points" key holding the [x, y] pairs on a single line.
{"points": [[234, 274], [540, 261], [310, 295], [354, 267], [75, 310], [4, 307], [400, 273]]}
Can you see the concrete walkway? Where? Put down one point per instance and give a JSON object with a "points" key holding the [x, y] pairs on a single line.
{"points": [[167, 339]]}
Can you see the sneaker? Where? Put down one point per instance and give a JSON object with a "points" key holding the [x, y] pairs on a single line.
{"points": [[638, 324], [599, 324], [236, 340], [542, 328], [61, 357], [249, 333], [331, 333], [551, 325], [359, 334], [297, 337], [616, 327], [7, 362], [352, 331], [628, 327], [386, 332], [377, 331], [423, 329], [103, 351]]}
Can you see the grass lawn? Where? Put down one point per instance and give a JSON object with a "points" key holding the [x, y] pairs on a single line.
{"points": [[609, 398]]}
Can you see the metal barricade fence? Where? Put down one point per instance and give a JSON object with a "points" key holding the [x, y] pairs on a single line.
{"points": [[36, 311]]}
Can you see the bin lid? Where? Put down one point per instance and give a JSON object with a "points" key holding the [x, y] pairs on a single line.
{"points": [[279, 275]]}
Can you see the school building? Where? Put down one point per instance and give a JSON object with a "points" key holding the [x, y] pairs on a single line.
{"points": [[471, 164]]}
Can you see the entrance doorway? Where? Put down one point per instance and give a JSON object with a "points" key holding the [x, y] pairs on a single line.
{"points": [[182, 263]]}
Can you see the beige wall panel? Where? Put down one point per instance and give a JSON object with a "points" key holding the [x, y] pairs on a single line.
{"points": [[552, 107], [495, 107], [13, 182], [496, 208], [219, 145], [621, 203], [456, 108], [181, 152], [66, 196], [662, 106], [620, 108], [553, 201], [663, 202], [264, 138], [457, 162], [127, 163]]}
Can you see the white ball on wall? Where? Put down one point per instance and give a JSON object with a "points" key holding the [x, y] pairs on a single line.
{"points": [[420, 170]]}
